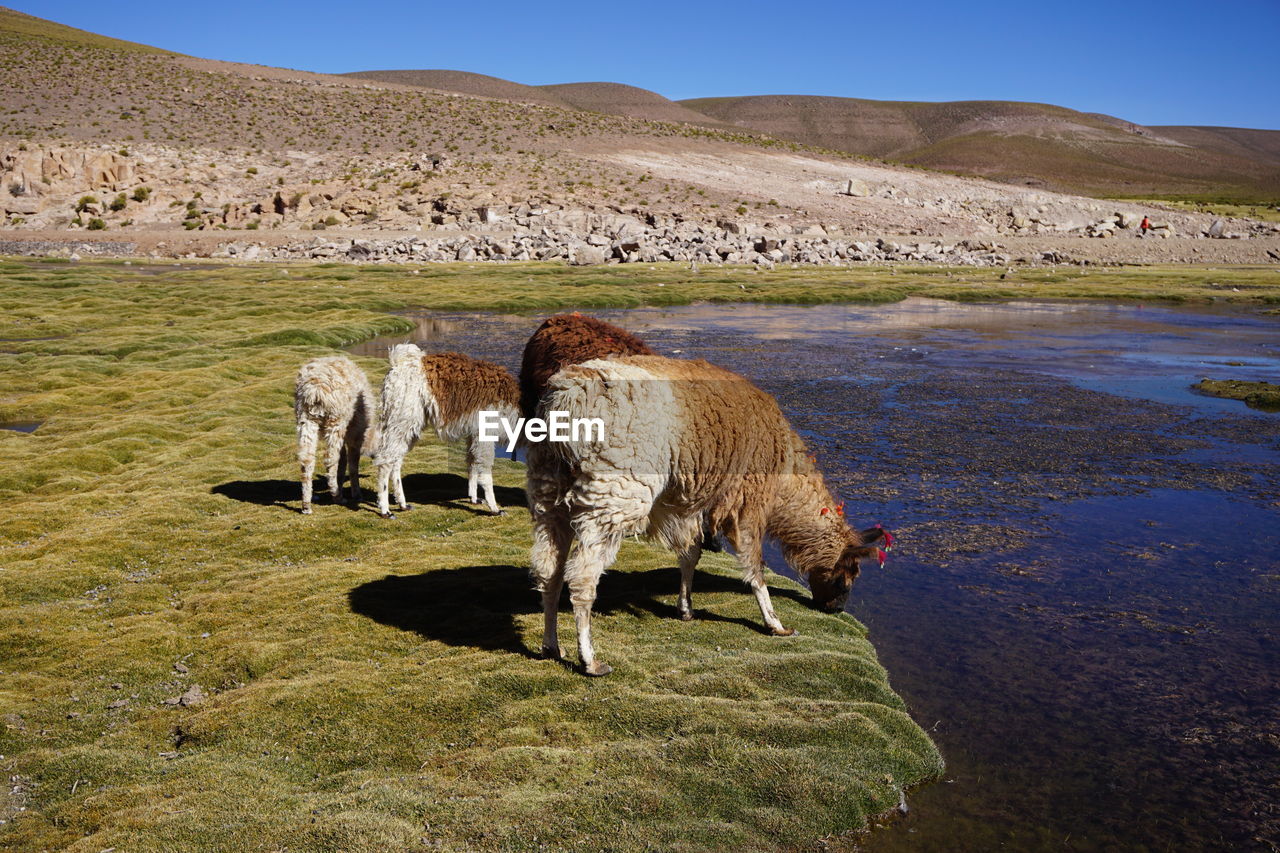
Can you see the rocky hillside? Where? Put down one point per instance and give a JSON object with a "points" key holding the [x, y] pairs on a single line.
{"points": [[113, 140]]}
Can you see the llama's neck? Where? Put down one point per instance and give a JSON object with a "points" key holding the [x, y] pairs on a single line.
{"points": [[807, 522]]}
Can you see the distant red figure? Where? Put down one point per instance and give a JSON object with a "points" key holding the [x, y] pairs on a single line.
{"points": [[1144, 226]]}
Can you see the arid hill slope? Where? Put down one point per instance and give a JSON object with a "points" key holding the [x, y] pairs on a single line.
{"points": [[1033, 144], [623, 100], [463, 82], [116, 141]]}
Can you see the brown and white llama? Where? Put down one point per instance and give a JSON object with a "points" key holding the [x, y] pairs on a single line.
{"points": [[333, 401], [684, 441], [569, 339], [448, 391]]}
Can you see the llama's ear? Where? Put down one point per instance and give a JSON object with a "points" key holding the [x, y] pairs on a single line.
{"points": [[851, 556]]}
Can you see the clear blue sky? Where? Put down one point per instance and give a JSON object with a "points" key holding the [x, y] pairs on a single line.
{"points": [[1154, 62]]}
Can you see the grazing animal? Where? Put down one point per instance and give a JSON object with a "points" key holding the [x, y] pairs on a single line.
{"points": [[569, 339], [684, 441], [447, 390], [333, 400]]}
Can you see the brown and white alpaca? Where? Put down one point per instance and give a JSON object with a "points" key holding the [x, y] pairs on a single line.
{"points": [[333, 400], [684, 440], [569, 339], [448, 390]]}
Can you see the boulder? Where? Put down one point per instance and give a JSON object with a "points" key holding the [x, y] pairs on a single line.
{"points": [[584, 255]]}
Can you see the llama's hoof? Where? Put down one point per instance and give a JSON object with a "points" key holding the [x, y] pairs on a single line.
{"points": [[405, 507], [501, 512], [686, 615], [551, 652], [386, 515], [783, 632], [306, 509], [597, 669]]}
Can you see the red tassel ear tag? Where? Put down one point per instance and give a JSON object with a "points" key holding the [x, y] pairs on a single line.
{"points": [[888, 538], [824, 511], [881, 555], [840, 509]]}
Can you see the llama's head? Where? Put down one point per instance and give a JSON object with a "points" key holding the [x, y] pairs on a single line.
{"points": [[830, 585], [404, 353]]}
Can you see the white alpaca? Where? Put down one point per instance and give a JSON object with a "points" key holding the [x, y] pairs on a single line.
{"points": [[448, 390], [334, 401]]}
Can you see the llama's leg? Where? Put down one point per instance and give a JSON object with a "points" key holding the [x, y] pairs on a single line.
{"points": [[597, 549], [473, 471], [386, 468], [388, 461], [404, 504], [308, 438], [752, 563], [551, 540], [333, 462], [688, 562], [353, 465], [483, 453]]}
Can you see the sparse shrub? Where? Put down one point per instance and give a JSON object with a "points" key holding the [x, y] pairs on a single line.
{"points": [[142, 194], [97, 224], [252, 170], [119, 202], [84, 202], [742, 208], [331, 220], [253, 226]]}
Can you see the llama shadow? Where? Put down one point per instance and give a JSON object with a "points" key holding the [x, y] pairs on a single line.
{"points": [[442, 489], [477, 606], [270, 492]]}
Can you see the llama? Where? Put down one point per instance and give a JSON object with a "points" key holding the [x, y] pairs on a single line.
{"points": [[333, 400], [569, 339], [685, 441], [447, 390]]}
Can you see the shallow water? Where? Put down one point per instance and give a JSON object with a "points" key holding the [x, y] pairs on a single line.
{"points": [[21, 426], [1083, 608]]}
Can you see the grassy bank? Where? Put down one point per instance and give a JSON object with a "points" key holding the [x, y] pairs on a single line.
{"points": [[364, 684], [372, 685]]}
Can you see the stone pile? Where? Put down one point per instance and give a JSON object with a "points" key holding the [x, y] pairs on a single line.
{"points": [[686, 245]]}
